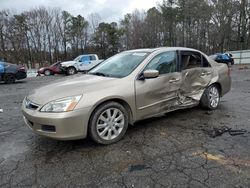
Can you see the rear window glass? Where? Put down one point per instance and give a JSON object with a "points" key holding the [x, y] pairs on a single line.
{"points": [[190, 59], [92, 58]]}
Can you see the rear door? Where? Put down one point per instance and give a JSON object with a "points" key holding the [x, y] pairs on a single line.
{"points": [[159, 94], [196, 76]]}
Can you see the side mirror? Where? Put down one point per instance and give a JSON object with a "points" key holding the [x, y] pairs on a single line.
{"points": [[149, 74]]}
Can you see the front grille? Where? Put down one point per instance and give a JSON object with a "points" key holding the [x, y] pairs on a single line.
{"points": [[30, 105]]}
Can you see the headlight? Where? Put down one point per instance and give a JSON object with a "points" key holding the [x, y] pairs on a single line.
{"points": [[62, 105]]}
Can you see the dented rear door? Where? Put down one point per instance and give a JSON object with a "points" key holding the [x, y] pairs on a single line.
{"points": [[195, 78]]}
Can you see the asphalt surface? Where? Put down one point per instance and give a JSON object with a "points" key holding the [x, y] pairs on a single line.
{"points": [[181, 149]]}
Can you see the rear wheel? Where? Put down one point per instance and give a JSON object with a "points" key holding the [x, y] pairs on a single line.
{"points": [[211, 97], [47, 72], [109, 123], [9, 78], [71, 70]]}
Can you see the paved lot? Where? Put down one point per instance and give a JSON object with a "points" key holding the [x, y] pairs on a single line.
{"points": [[176, 150]]}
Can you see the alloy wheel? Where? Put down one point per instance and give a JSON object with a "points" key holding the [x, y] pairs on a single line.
{"points": [[214, 97], [71, 71], [110, 124]]}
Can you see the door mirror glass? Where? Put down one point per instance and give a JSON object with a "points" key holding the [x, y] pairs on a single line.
{"points": [[147, 74]]}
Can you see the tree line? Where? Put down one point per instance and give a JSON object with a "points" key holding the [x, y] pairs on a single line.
{"points": [[49, 34]]}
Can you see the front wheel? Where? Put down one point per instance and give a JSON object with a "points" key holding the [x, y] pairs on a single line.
{"points": [[47, 72], [109, 123], [71, 70], [211, 97]]}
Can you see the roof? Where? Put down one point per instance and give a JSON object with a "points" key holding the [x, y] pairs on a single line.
{"points": [[150, 50]]}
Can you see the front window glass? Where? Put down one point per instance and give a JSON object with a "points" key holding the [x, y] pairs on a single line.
{"points": [[120, 65], [164, 63], [78, 58], [85, 59]]}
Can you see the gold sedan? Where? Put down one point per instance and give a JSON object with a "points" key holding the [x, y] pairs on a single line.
{"points": [[128, 87]]}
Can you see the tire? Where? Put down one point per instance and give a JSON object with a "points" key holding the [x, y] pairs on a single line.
{"points": [[71, 70], [47, 72], [211, 97], [111, 127], [9, 78]]}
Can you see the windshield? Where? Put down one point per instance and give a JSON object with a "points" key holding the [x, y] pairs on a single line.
{"points": [[78, 58], [120, 65], [54, 64]]}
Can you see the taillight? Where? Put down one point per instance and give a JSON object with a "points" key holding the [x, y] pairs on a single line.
{"points": [[22, 69]]}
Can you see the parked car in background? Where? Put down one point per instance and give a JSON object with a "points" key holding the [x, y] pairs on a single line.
{"points": [[223, 58], [9, 73], [50, 70], [81, 63], [128, 87]]}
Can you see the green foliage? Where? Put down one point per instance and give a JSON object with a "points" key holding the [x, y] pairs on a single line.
{"points": [[107, 38]]}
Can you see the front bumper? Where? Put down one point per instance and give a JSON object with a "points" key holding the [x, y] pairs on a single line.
{"points": [[61, 126]]}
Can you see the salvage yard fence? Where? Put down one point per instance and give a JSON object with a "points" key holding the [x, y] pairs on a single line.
{"points": [[241, 57]]}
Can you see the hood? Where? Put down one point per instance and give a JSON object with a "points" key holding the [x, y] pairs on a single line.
{"points": [[69, 87], [68, 63]]}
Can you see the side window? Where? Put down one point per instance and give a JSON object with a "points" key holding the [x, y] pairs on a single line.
{"points": [[205, 62], [164, 62], [92, 58], [190, 60], [85, 59]]}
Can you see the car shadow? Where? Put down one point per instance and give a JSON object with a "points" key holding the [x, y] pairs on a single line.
{"points": [[16, 82], [137, 127]]}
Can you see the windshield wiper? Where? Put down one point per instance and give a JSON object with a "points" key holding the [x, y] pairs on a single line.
{"points": [[99, 74]]}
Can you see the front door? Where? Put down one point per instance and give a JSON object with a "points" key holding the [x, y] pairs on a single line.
{"points": [[84, 62], [158, 95]]}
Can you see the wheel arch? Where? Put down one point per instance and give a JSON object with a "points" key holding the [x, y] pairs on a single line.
{"points": [[218, 85], [71, 66], [118, 100]]}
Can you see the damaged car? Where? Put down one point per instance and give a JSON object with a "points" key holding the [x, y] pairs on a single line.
{"points": [[9, 72], [128, 87]]}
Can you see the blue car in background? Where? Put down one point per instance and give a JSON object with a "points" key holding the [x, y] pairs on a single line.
{"points": [[223, 58], [9, 73]]}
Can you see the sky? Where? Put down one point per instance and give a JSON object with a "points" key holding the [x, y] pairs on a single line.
{"points": [[109, 10]]}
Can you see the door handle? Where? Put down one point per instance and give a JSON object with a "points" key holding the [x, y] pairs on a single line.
{"points": [[202, 74], [205, 74], [174, 80], [208, 73]]}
